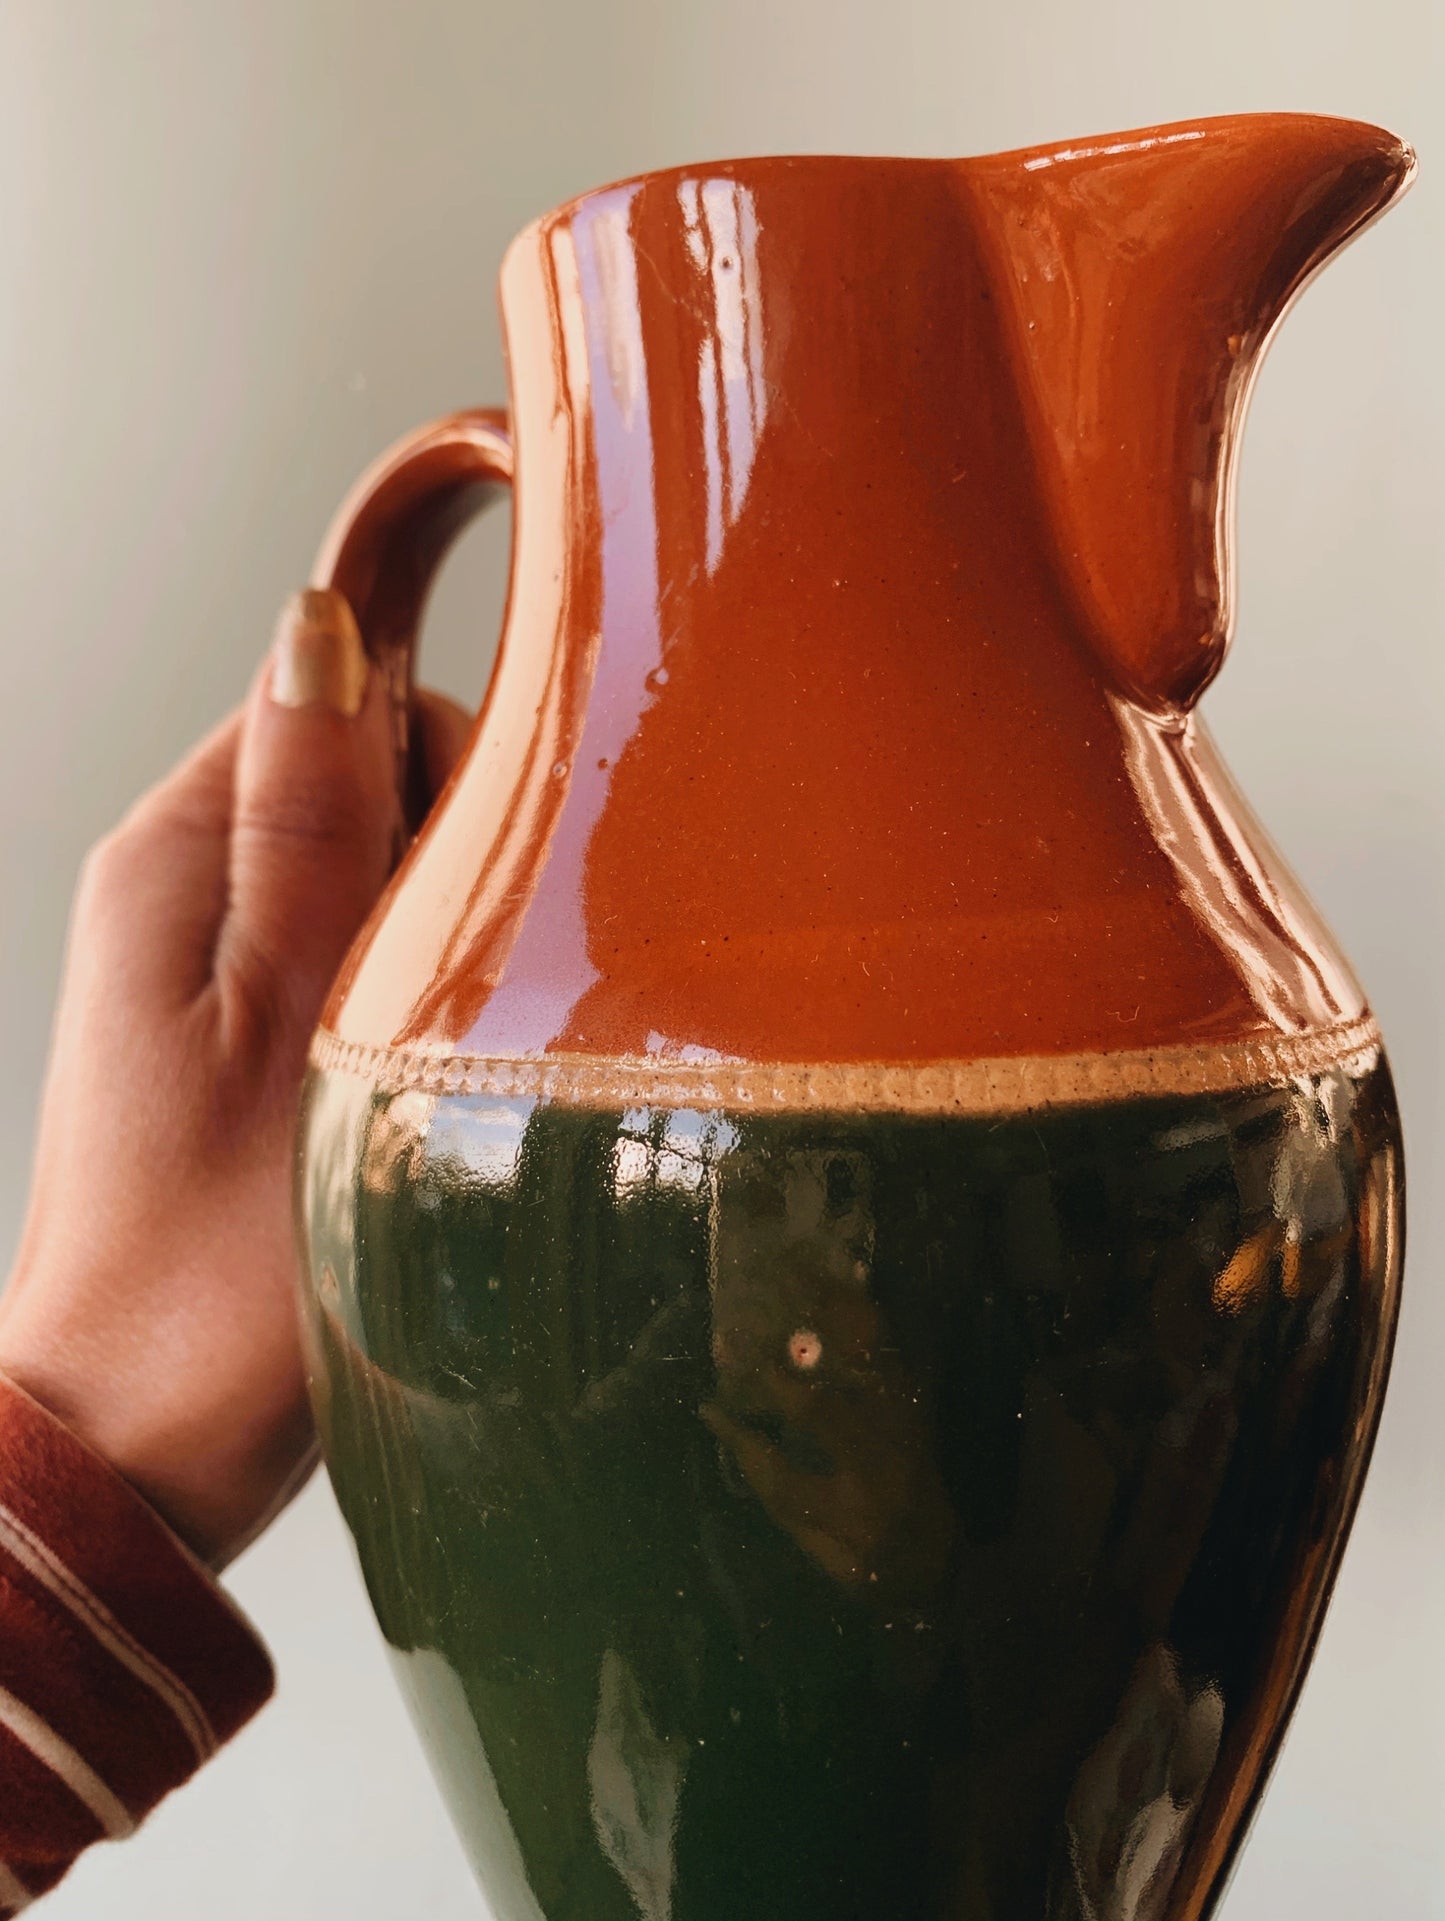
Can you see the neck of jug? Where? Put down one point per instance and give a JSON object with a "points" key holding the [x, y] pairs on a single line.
{"points": [[778, 395], [1004, 394]]}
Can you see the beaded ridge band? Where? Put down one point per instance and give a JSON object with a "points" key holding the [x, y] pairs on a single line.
{"points": [[1007, 1085]]}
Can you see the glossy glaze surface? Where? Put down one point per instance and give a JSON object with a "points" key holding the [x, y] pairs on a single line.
{"points": [[821, 1517], [852, 1209], [872, 526]]}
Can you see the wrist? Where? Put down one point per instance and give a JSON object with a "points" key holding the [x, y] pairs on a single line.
{"points": [[162, 1424]]}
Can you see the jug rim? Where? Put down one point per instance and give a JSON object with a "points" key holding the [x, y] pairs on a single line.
{"points": [[1032, 155]]}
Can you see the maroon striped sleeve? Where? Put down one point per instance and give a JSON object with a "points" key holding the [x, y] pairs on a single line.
{"points": [[123, 1665]]}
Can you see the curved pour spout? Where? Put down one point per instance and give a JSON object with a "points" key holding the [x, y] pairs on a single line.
{"points": [[1144, 275]]}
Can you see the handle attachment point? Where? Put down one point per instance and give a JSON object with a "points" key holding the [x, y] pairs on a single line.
{"points": [[390, 535]]}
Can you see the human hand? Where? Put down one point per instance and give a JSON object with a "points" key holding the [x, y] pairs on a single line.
{"points": [[152, 1304]]}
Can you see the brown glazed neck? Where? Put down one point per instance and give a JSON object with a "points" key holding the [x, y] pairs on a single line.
{"points": [[871, 547], [1118, 290]]}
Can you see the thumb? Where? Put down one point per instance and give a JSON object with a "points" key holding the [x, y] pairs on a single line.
{"points": [[316, 811]]}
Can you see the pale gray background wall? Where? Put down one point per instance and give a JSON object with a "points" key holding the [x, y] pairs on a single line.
{"points": [[243, 243]]}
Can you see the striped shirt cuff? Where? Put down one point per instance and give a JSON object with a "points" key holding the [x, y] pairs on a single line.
{"points": [[123, 1665]]}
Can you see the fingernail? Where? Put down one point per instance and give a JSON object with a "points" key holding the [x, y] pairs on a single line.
{"points": [[317, 659]]}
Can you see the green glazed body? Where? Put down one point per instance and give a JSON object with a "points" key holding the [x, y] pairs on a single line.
{"points": [[828, 1517]]}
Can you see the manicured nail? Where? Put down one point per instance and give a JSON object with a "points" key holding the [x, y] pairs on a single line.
{"points": [[317, 659]]}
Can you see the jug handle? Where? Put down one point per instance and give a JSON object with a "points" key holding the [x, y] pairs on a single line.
{"points": [[392, 532]]}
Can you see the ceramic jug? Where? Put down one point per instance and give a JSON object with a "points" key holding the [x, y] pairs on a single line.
{"points": [[852, 1210]]}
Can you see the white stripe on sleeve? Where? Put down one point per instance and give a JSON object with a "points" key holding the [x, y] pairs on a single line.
{"points": [[41, 1561], [14, 1895], [68, 1766]]}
